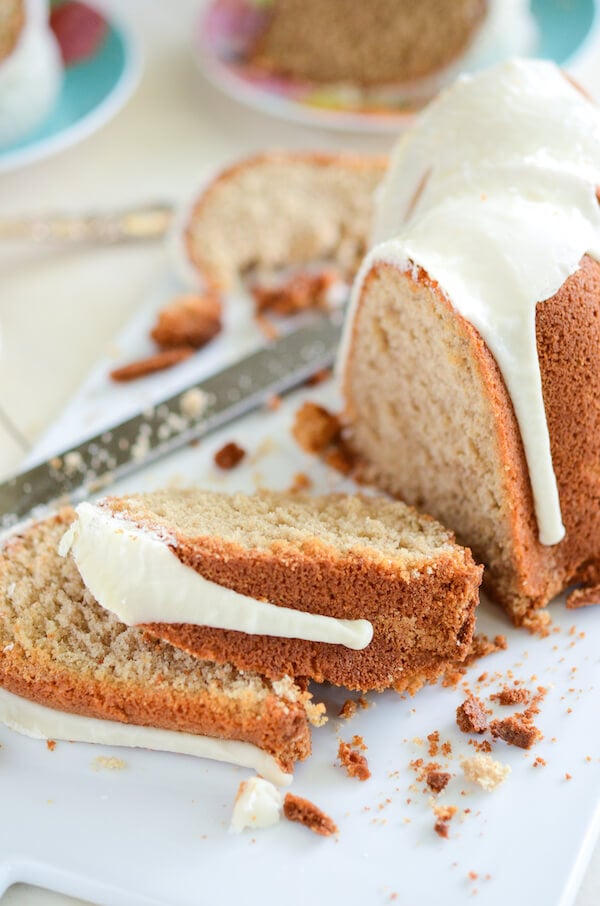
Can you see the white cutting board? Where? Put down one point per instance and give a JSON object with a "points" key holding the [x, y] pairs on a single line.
{"points": [[157, 830]]}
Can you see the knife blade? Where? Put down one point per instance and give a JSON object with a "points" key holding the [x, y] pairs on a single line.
{"points": [[170, 424]]}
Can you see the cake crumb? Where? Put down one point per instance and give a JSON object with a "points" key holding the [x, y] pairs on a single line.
{"points": [[441, 828], [356, 765], [515, 731], [193, 403], [348, 709], [315, 428], [189, 320], [568, 776], [485, 771], [301, 292], [159, 361], [437, 780], [319, 377], [274, 403], [50, 745], [481, 646], [229, 456], [102, 763], [301, 482], [584, 597], [511, 695], [471, 716], [538, 623], [295, 808], [340, 458]]}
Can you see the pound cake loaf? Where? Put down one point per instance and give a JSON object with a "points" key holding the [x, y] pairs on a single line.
{"points": [[30, 67], [362, 592], [471, 359], [70, 670], [280, 209]]}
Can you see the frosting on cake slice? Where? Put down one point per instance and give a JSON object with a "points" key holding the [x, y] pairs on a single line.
{"points": [[361, 592], [69, 669]]}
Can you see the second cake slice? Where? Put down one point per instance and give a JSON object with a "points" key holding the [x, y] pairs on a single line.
{"points": [[359, 591]]}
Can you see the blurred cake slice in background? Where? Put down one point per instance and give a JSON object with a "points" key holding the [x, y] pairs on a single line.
{"points": [[277, 210], [418, 46], [30, 68]]}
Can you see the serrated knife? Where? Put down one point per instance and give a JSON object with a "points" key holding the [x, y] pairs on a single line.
{"points": [[168, 425]]}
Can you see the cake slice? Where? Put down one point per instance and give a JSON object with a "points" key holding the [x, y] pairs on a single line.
{"points": [[69, 669], [362, 592], [280, 209]]}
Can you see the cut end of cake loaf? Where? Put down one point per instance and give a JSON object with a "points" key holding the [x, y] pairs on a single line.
{"points": [[59, 648], [441, 433], [283, 209], [346, 557], [366, 44]]}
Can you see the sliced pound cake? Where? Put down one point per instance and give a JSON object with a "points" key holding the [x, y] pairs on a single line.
{"points": [[281, 209], [362, 592], [61, 650]]}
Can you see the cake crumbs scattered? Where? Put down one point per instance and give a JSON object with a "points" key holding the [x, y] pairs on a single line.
{"points": [[584, 597], [50, 745], [295, 808], [102, 763], [444, 815], [511, 695], [434, 743], [516, 731], [159, 361], [229, 456], [568, 776], [471, 716], [301, 292], [485, 771], [352, 760]]}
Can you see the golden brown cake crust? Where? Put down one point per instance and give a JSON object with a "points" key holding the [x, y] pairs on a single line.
{"points": [[422, 621], [568, 341], [278, 725]]}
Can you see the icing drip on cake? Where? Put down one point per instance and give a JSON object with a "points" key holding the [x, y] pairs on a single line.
{"points": [[493, 193], [146, 583]]}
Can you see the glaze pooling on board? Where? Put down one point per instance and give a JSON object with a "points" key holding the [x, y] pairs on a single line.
{"points": [[493, 194]]}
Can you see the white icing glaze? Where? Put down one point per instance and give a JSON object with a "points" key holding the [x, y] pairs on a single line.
{"points": [[30, 76], [136, 575], [492, 193], [257, 804], [40, 722]]}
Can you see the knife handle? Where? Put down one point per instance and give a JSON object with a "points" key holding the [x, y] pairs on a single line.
{"points": [[138, 224]]}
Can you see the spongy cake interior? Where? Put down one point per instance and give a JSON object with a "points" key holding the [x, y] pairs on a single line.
{"points": [[59, 648], [374, 527]]}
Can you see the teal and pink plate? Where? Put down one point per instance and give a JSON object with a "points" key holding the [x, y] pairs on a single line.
{"points": [[226, 29], [102, 68]]}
